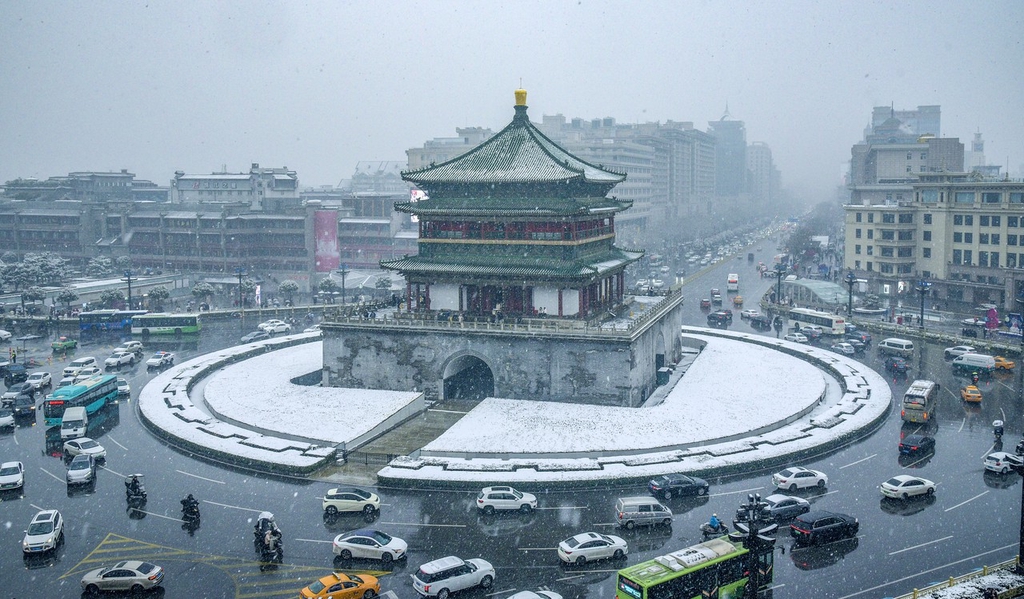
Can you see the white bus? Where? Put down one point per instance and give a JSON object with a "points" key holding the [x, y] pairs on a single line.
{"points": [[830, 324], [732, 283], [919, 402]]}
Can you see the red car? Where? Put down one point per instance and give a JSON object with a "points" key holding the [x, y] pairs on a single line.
{"points": [[705, 304]]}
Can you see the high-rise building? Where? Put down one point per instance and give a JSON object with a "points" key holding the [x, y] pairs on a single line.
{"points": [[730, 156], [924, 120]]}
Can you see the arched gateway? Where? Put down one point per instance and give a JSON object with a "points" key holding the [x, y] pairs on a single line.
{"points": [[517, 265], [467, 376]]}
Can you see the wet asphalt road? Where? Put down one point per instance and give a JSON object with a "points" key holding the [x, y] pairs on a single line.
{"points": [[971, 521]]}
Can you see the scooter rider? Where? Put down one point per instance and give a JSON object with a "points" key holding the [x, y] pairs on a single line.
{"points": [[134, 486], [190, 506], [714, 522]]}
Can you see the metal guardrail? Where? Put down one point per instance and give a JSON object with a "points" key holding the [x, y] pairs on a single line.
{"points": [[957, 580]]}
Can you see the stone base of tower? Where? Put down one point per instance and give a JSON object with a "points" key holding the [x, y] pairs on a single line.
{"points": [[553, 360]]}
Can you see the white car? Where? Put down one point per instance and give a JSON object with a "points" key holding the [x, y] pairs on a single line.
{"points": [[275, 326], [86, 373], [133, 575], [76, 366], [799, 478], [6, 417], [958, 350], [350, 499], [119, 359], [1002, 462], [589, 546], [84, 445], [796, 337], [905, 486], [123, 388], [12, 476], [540, 594], [45, 532], [313, 329], [134, 347], [843, 348], [81, 470], [369, 544], [160, 359], [40, 380], [64, 382], [749, 313], [492, 499], [5, 335], [451, 574]]}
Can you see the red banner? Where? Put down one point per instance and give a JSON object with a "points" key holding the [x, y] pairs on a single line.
{"points": [[325, 232]]}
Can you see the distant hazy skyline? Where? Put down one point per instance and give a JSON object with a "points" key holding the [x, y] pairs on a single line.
{"points": [[317, 87]]}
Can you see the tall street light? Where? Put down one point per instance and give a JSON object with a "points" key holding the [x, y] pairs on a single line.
{"points": [[128, 279], [851, 280], [241, 302], [922, 288], [780, 271], [344, 273]]}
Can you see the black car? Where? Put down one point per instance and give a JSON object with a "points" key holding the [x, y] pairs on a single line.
{"points": [[15, 391], [255, 336], [675, 485], [917, 444], [896, 364], [858, 345], [761, 322], [861, 336], [718, 320], [24, 405], [821, 526], [14, 374]]}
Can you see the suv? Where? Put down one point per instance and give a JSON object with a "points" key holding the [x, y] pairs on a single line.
{"points": [[120, 358], [45, 532], [13, 391], [505, 498], [134, 347], [451, 574], [896, 364], [818, 526], [958, 350], [14, 373], [76, 366], [350, 500]]}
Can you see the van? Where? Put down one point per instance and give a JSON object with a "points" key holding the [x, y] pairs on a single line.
{"points": [[74, 423], [919, 401], [896, 347], [974, 363], [631, 512]]}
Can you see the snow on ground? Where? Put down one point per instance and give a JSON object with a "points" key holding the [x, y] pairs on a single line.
{"points": [[259, 392], [732, 389]]}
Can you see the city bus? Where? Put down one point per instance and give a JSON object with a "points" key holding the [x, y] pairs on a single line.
{"points": [[712, 569], [91, 394], [732, 282], [919, 402], [830, 324], [166, 324], [107, 320]]}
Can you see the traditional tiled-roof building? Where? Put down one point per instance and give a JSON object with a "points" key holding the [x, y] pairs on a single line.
{"points": [[517, 226]]}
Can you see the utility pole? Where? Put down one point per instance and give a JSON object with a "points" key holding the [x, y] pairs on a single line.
{"points": [[344, 273], [128, 278], [241, 301]]}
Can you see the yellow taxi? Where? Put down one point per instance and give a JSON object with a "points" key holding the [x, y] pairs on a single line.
{"points": [[343, 586], [1004, 363], [737, 301], [971, 394]]}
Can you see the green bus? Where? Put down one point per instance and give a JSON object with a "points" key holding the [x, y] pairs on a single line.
{"points": [[91, 394], [713, 569], [162, 323]]}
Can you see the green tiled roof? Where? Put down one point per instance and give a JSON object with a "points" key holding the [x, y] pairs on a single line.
{"points": [[517, 155], [514, 206], [506, 270]]}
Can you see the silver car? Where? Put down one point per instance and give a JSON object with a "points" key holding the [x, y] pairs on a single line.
{"points": [[81, 470], [134, 576]]}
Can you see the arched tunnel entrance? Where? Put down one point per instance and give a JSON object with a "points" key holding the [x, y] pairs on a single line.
{"points": [[468, 377]]}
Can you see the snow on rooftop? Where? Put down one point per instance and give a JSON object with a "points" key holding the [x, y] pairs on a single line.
{"points": [[259, 392], [706, 404]]}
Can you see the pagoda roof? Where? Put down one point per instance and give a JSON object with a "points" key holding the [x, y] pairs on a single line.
{"points": [[505, 269], [518, 154], [514, 207]]}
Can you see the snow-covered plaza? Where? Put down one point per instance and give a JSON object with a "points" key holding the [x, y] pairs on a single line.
{"points": [[742, 399]]}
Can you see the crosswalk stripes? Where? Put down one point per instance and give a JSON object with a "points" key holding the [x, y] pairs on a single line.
{"points": [[284, 580]]}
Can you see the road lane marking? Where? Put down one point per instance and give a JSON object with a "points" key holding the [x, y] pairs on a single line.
{"points": [[116, 443], [38, 509], [1002, 412], [921, 545], [735, 492], [585, 573], [219, 482], [912, 464], [564, 507], [313, 540], [104, 466], [962, 423], [923, 572], [234, 507], [423, 524], [536, 548], [157, 515], [858, 461], [966, 502], [502, 592], [59, 479]]}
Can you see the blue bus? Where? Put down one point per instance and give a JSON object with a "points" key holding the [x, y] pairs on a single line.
{"points": [[107, 320], [92, 394]]}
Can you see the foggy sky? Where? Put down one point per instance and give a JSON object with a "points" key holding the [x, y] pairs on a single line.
{"points": [[317, 87]]}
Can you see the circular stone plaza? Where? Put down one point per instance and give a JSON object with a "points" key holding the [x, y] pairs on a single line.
{"points": [[736, 401]]}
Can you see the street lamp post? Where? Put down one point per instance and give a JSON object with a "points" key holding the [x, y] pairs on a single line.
{"points": [[128, 278], [757, 533], [780, 271], [851, 280], [241, 302], [922, 288], [344, 273]]}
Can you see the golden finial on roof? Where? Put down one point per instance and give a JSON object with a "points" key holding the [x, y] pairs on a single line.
{"points": [[520, 97]]}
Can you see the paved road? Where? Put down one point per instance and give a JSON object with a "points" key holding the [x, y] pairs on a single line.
{"points": [[901, 545]]}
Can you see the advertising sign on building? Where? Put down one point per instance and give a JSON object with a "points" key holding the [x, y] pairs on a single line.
{"points": [[325, 232]]}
